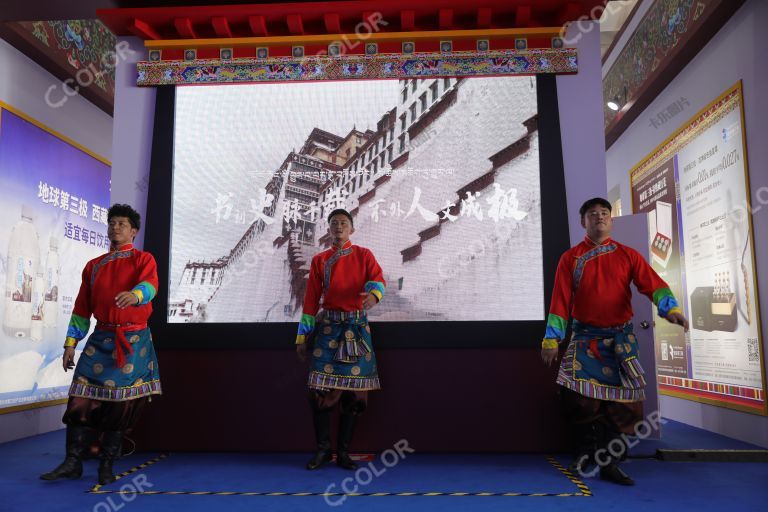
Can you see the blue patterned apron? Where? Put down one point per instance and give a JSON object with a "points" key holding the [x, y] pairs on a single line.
{"points": [[98, 377], [343, 357]]}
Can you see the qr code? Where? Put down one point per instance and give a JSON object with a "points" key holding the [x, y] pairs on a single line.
{"points": [[754, 353]]}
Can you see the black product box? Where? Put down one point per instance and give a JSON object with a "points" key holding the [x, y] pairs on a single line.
{"points": [[712, 313]]}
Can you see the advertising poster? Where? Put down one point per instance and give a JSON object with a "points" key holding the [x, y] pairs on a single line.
{"points": [[654, 194], [55, 197], [722, 362]]}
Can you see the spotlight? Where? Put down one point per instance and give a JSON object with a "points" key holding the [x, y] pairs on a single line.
{"points": [[613, 105]]}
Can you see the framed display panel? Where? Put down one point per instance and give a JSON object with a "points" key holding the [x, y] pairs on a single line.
{"points": [[708, 260], [55, 196]]}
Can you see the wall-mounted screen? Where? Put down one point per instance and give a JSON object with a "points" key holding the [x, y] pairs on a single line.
{"points": [[441, 176]]}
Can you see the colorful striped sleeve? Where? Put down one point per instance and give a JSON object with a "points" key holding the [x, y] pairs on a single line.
{"points": [[665, 302], [148, 281], [560, 307], [80, 321], [145, 292], [556, 326], [650, 284], [78, 327], [306, 325], [376, 288], [311, 300], [375, 283]]}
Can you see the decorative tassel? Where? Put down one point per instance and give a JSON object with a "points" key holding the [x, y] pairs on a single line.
{"points": [[350, 351], [633, 373]]}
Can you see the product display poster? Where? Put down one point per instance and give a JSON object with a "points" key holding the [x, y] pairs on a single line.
{"points": [[55, 197], [721, 359], [655, 194]]}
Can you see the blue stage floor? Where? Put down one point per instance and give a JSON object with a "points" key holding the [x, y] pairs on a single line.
{"points": [[445, 482]]}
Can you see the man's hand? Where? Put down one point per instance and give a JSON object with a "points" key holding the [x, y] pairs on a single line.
{"points": [[125, 299], [301, 352], [548, 355], [369, 301], [679, 319], [68, 360]]}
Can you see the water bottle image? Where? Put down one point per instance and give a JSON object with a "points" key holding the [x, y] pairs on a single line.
{"points": [[38, 298], [51, 276], [23, 260]]}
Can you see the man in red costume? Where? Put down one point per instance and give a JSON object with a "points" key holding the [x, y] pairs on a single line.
{"points": [[343, 367], [117, 370], [601, 377]]}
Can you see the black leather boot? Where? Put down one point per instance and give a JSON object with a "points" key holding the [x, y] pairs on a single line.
{"points": [[79, 439], [613, 473], [586, 445], [610, 470], [322, 422], [346, 429], [111, 443]]}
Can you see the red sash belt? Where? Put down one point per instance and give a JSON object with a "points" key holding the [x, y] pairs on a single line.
{"points": [[121, 342]]}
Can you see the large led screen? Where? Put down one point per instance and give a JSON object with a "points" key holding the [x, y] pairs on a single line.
{"points": [[441, 176]]}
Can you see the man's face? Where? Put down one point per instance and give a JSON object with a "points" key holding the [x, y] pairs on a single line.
{"points": [[597, 221], [121, 231], [340, 228]]}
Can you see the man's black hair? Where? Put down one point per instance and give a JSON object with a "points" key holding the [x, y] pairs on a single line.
{"points": [[595, 201], [341, 211], [125, 210]]}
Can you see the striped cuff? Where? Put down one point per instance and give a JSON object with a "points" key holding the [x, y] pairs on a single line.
{"points": [[78, 327], [549, 343], [376, 288], [675, 309], [664, 301], [70, 342], [556, 326], [145, 292], [667, 304], [306, 325]]}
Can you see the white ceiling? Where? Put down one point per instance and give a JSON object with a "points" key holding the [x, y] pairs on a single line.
{"points": [[613, 18]]}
